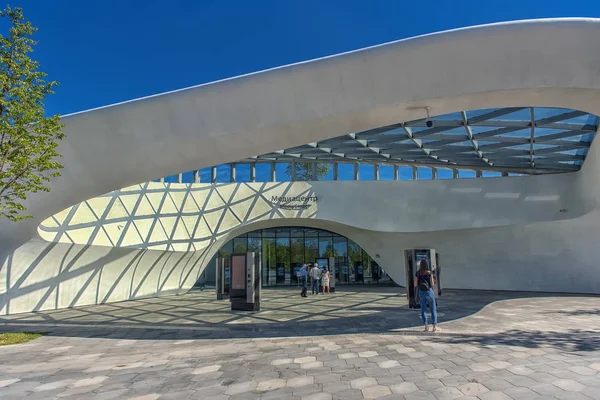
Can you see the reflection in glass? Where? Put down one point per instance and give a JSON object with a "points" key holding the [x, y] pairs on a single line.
{"points": [[297, 256], [285, 249], [311, 249], [346, 172], [354, 259], [366, 267], [223, 173], [386, 172], [254, 244], [240, 245], [340, 249], [443, 173], [297, 232], [424, 173], [366, 172], [311, 233], [242, 172], [268, 262], [325, 246], [268, 233], [463, 173], [283, 261], [227, 249]]}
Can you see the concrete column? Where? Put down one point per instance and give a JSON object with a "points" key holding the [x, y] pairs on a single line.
{"points": [[179, 178], [161, 179], [232, 172], [376, 174], [414, 173], [335, 171], [434, 173], [505, 174], [293, 167], [252, 172], [272, 179], [314, 171], [196, 178], [478, 174], [213, 174], [356, 171], [454, 173], [396, 173]]}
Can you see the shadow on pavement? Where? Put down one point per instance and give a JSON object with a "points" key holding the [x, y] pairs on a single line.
{"points": [[571, 340], [484, 317]]}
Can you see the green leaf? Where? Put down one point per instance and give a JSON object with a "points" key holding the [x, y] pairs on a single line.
{"points": [[28, 139]]}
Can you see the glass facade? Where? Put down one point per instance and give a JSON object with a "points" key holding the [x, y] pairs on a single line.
{"points": [[261, 172], [285, 249]]}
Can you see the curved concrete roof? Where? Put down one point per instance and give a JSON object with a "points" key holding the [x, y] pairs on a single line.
{"points": [[546, 63]]}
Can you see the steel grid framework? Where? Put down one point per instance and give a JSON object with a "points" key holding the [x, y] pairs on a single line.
{"points": [[531, 140]]}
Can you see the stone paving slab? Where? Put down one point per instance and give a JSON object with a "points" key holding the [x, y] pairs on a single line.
{"points": [[497, 346]]}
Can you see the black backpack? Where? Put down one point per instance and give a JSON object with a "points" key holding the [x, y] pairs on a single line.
{"points": [[424, 282]]}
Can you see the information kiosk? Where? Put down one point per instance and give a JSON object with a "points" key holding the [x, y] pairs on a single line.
{"points": [[245, 282], [223, 277], [412, 258]]}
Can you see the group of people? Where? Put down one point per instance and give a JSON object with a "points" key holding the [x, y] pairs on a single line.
{"points": [[319, 279]]}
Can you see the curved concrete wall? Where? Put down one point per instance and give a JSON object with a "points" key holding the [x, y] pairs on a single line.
{"points": [[187, 217], [489, 231], [156, 238]]}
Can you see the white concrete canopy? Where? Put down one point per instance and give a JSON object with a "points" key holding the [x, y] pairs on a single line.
{"points": [[542, 63]]}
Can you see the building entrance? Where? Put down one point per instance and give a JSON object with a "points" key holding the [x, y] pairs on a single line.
{"points": [[285, 249]]}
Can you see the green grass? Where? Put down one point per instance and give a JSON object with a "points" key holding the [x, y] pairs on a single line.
{"points": [[18, 337]]}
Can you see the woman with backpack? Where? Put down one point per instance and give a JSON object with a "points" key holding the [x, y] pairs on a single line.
{"points": [[424, 283]]}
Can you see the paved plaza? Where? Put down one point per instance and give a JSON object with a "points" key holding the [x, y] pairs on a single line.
{"points": [[362, 342]]}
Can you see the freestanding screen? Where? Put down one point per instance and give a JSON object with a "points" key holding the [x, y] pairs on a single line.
{"points": [[238, 272]]}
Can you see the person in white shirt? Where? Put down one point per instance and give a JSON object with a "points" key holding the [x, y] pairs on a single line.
{"points": [[315, 274], [325, 281]]}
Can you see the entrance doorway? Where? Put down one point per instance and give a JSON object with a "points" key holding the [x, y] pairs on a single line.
{"points": [[285, 249]]}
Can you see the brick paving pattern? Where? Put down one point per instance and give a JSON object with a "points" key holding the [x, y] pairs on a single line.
{"points": [[356, 344]]}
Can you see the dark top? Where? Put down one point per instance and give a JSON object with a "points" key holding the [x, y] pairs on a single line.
{"points": [[423, 278]]}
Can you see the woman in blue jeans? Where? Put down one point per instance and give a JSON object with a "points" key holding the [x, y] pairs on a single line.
{"points": [[424, 283]]}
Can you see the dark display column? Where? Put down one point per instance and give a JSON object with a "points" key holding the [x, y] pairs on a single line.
{"points": [[245, 282]]}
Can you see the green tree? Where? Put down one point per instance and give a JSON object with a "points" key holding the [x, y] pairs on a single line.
{"points": [[28, 138], [304, 171]]}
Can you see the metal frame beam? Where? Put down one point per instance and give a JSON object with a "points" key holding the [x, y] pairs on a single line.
{"points": [[491, 143]]}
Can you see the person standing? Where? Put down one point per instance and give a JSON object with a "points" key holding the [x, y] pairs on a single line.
{"points": [[315, 273], [424, 283], [304, 278], [325, 280]]}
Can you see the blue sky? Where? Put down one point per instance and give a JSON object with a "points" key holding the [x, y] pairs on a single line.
{"points": [[103, 52]]}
